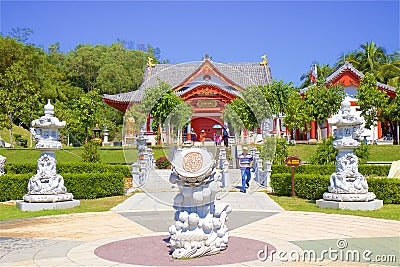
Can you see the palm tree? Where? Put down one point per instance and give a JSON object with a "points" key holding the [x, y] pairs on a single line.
{"points": [[370, 57], [389, 72]]}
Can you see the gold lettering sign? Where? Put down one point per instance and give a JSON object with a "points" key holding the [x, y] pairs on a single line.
{"points": [[206, 103]]}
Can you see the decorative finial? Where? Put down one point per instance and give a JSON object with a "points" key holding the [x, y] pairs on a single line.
{"points": [[150, 62], [49, 109], [265, 61], [207, 57]]}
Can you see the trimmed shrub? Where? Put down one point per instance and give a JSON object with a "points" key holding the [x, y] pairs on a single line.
{"points": [[374, 170], [69, 167], [387, 189], [366, 170], [94, 185], [13, 186], [20, 168], [82, 186], [311, 186], [307, 186]]}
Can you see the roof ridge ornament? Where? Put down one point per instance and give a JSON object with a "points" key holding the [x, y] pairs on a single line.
{"points": [[265, 60], [150, 63], [207, 57]]}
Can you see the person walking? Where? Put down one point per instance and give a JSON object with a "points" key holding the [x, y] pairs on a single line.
{"points": [[193, 136], [245, 163], [202, 137], [225, 136]]}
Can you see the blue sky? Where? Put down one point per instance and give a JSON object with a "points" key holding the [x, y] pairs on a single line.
{"points": [[292, 33]]}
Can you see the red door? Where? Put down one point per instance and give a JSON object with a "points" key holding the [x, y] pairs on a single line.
{"points": [[206, 124]]}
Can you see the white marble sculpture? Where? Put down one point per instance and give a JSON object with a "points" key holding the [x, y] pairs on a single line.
{"points": [[347, 184], [46, 185], [199, 227], [2, 163]]}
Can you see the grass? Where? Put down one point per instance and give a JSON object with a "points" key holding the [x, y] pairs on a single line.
{"points": [[9, 211], [388, 211], [5, 133], [378, 153]]}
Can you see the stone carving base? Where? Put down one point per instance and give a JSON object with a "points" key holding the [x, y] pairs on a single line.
{"points": [[42, 198], [365, 197], [370, 205], [25, 206]]}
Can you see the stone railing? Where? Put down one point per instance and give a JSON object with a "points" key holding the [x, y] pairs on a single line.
{"points": [[262, 172], [142, 167]]}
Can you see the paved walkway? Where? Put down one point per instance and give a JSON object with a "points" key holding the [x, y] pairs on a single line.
{"points": [[141, 222]]}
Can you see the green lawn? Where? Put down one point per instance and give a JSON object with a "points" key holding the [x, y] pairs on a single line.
{"points": [[9, 211], [377, 152], [389, 211], [71, 154]]}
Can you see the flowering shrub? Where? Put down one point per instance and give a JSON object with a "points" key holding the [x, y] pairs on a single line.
{"points": [[162, 163]]}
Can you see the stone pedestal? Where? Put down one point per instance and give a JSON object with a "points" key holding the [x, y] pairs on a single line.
{"points": [[199, 228], [46, 188], [348, 189], [356, 205]]}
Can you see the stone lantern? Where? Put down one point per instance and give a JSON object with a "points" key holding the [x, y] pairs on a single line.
{"points": [[348, 189], [97, 134], [46, 188]]}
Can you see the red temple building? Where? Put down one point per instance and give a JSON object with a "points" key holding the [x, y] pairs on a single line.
{"points": [[348, 76], [206, 85]]}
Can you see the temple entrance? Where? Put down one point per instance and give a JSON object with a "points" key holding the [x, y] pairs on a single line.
{"points": [[206, 124]]}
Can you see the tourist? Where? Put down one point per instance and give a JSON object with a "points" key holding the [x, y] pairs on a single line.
{"points": [[245, 163], [219, 140], [226, 136], [193, 136], [202, 137]]}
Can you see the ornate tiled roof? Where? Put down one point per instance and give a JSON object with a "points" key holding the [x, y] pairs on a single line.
{"points": [[349, 66], [228, 89], [241, 74], [133, 96]]}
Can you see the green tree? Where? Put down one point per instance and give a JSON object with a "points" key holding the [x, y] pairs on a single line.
{"points": [[323, 101], [371, 100], [178, 118], [27, 80], [326, 153], [84, 113], [297, 113], [244, 112], [91, 152], [160, 101], [230, 116], [277, 94]]}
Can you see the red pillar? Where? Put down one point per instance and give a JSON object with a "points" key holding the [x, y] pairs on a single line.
{"points": [[379, 129], [313, 129]]}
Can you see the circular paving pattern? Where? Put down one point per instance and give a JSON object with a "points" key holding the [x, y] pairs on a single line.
{"points": [[154, 251]]}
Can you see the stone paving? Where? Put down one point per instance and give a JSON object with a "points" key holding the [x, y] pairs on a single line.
{"points": [[81, 239]]}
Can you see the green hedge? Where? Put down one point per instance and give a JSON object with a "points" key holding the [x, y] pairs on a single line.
{"points": [[311, 186], [387, 189], [305, 185], [69, 167], [364, 169], [13, 186], [82, 186], [94, 185]]}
